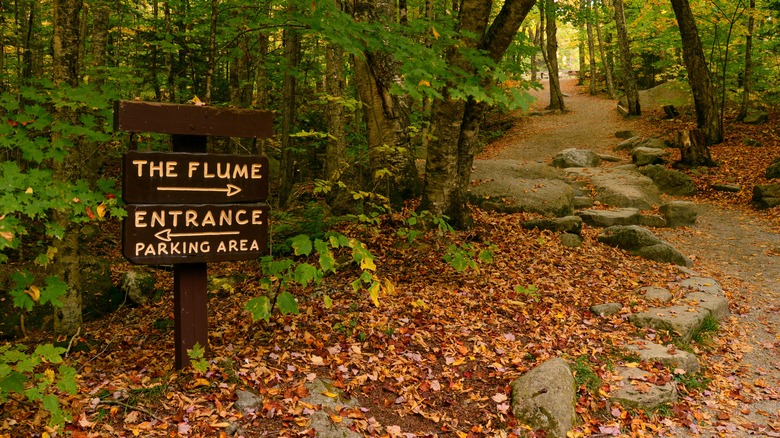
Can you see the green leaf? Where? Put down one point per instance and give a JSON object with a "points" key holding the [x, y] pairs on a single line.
{"points": [[49, 353], [287, 304], [301, 244], [67, 380], [54, 290], [486, 256], [259, 307], [304, 273], [52, 404], [327, 301], [13, 382]]}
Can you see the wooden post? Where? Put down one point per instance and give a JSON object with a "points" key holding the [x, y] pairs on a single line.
{"points": [[190, 283]]}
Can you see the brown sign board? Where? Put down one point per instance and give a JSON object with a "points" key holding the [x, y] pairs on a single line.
{"points": [[184, 178], [185, 233], [169, 118]]}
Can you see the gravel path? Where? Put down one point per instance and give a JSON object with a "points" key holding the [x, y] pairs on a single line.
{"points": [[737, 246]]}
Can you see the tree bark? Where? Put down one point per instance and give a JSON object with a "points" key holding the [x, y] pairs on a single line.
{"points": [[66, 266], [747, 76], [212, 57], [551, 30], [292, 54], [693, 149], [336, 149], [605, 60], [455, 123], [707, 114], [100, 28], [591, 46], [391, 161], [629, 77]]}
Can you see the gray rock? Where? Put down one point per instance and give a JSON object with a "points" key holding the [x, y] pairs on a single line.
{"points": [[610, 158], [756, 117], [138, 286], [650, 220], [581, 202], [717, 306], [703, 284], [721, 187], [544, 398], [681, 320], [320, 421], [608, 218], [653, 293], [652, 143], [570, 240], [679, 213], [751, 142], [628, 144], [566, 224], [628, 237], [248, 401], [621, 188], [766, 196], [773, 171], [637, 392], [626, 134], [489, 169], [669, 181], [664, 252], [606, 309], [510, 195], [576, 158], [670, 356], [642, 156]]}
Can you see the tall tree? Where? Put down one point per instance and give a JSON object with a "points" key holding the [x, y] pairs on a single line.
{"points": [[707, 115], [588, 10], [391, 162], [547, 10], [629, 77], [456, 122], [748, 71], [292, 54], [66, 266], [336, 149], [605, 59]]}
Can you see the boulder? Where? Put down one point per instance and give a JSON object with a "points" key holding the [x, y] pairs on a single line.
{"points": [[608, 218], [544, 398], [606, 309], [637, 391], [581, 202], [642, 156], [773, 171], [628, 237], [683, 320], [722, 187], [626, 134], [679, 213], [489, 169], [651, 220], [766, 196], [566, 224], [576, 158], [628, 144], [670, 356], [138, 285], [669, 181], [623, 188], [652, 143], [570, 240], [653, 293], [509, 195], [664, 252], [756, 117]]}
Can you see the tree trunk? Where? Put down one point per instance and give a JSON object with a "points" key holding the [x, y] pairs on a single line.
{"points": [[100, 28], [455, 123], [391, 161], [591, 46], [336, 149], [605, 60], [212, 57], [693, 149], [535, 37], [292, 54], [65, 62], [746, 78], [629, 77], [707, 115], [551, 30]]}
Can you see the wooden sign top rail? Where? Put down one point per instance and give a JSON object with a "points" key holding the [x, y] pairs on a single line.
{"points": [[169, 118]]}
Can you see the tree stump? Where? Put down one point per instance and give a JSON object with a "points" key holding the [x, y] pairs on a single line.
{"points": [[693, 149], [671, 111]]}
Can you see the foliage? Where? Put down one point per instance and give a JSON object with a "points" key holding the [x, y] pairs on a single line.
{"points": [[197, 359]]}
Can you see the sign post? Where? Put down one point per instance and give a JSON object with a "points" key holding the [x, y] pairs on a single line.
{"points": [[188, 207]]}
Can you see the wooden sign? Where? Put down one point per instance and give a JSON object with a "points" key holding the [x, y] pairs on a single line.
{"points": [[172, 234], [169, 177]]}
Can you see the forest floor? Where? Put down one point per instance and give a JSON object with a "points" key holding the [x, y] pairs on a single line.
{"points": [[435, 355]]}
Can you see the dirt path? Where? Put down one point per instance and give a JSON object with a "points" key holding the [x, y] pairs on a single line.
{"points": [[737, 246]]}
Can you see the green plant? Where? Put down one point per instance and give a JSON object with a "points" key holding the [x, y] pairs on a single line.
{"points": [[467, 255], [584, 375], [695, 382], [198, 362], [706, 330]]}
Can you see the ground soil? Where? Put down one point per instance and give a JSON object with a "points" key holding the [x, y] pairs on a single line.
{"points": [[732, 242]]}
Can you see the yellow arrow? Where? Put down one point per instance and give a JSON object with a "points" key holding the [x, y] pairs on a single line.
{"points": [[230, 189], [166, 235]]}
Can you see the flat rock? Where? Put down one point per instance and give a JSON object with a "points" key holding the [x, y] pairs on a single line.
{"points": [[626, 134], [654, 293], [544, 398], [664, 252], [682, 320], [670, 356], [651, 220], [581, 202], [248, 401], [610, 158], [703, 284], [511, 195], [608, 218], [773, 171], [626, 189], [756, 117], [576, 158], [670, 181], [766, 195], [636, 391], [717, 306], [490, 169], [606, 309], [722, 187], [566, 224], [643, 156], [320, 420], [570, 240], [679, 213], [628, 237]]}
